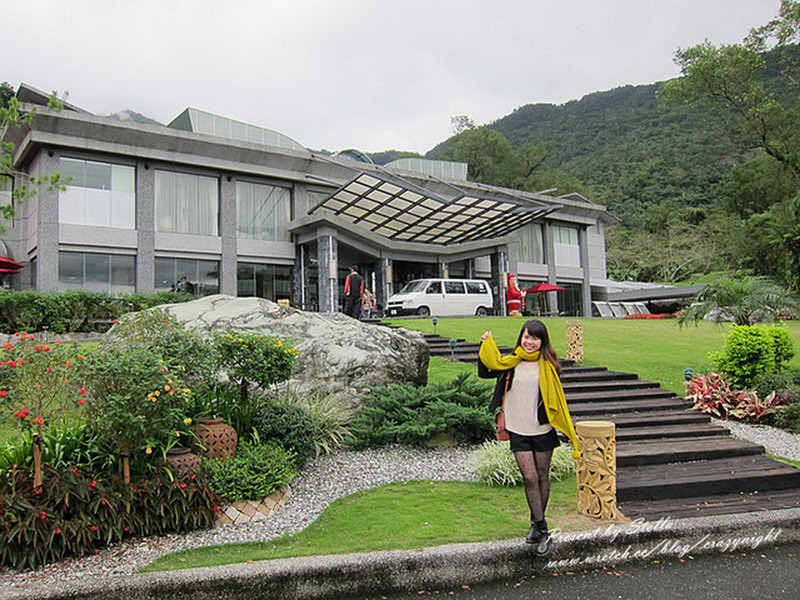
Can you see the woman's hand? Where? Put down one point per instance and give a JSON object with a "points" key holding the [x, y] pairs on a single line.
{"points": [[486, 334]]}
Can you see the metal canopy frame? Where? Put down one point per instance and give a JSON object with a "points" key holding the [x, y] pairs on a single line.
{"points": [[399, 210]]}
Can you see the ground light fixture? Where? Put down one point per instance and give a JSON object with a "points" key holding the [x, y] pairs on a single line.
{"points": [[435, 322], [453, 343]]}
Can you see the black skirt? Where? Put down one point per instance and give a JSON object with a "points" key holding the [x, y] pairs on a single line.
{"points": [[534, 443]]}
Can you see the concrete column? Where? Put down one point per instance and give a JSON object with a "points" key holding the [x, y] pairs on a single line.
{"points": [[498, 281], [46, 226], [327, 266], [586, 287], [383, 279], [227, 230], [444, 270], [550, 258], [301, 277], [145, 228]]}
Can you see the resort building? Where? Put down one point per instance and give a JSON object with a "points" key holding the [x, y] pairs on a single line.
{"points": [[209, 204]]}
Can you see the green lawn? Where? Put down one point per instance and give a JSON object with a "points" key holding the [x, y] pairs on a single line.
{"points": [[401, 516], [657, 350]]}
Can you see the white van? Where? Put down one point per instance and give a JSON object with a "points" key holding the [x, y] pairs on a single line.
{"points": [[442, 297]]}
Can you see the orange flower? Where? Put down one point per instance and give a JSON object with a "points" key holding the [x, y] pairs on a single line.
{"points": [[39, 420]]}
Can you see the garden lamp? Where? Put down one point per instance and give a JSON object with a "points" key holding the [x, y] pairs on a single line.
{"points": [[453, 342], [688, 372], [435, 321]]}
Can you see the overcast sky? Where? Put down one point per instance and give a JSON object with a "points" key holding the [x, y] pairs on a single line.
{"points": [[366, 74]]}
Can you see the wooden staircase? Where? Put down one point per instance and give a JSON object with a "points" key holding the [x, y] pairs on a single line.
{"points": [[671, 461]]}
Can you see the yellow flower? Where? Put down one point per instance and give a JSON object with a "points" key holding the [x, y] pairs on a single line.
{"points": [[187, 421], [148, 450]]}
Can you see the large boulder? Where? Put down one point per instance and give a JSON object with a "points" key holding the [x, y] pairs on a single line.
{"points": [[338, 354]]}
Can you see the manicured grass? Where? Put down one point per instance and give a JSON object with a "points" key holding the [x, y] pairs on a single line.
{"points": [[657, 350], [401, 516]]}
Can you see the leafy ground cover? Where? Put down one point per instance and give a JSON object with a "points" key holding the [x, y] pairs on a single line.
{"points": [[401, 516]]}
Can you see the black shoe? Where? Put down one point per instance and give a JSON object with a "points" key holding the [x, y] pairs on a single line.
{"points": [[534, 535], [543, 547]]}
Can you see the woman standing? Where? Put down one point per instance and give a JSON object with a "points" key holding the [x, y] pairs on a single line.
{"points": [[529, 392]]}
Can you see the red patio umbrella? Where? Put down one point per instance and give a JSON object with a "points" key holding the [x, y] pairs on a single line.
{"points": [[544, 287], [7, 263]]}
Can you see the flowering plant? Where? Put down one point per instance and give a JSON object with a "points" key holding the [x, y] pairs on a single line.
{"points": [[249, 357], [138, 402], [39, 382]]}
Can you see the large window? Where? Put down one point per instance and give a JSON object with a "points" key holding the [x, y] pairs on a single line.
{"points": [[567, 246], [110, 273], [198, 277], [262, 211], [187, 203], [273, 282], [531, 246], [98, 193]]}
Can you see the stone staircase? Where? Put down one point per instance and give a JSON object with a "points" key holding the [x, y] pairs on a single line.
{"points": [[671, 461]]}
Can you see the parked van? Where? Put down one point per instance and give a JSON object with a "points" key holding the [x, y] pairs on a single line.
{"points": [[442, 297]]}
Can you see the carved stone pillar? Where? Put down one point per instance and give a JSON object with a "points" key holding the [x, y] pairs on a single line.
{"points": [[575, 341], [597, 469]]}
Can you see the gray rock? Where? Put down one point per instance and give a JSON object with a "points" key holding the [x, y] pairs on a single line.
{"points": [[338, 354]]}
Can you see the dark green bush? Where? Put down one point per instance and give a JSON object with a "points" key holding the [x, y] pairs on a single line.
{"points": [[411, 415], [748, 353], [255, 472], [789, 417], [73, 310], [74, 512], [290, 425]]}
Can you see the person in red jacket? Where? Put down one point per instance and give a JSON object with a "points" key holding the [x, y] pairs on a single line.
{"points": [[513, 297], [353, 289]]}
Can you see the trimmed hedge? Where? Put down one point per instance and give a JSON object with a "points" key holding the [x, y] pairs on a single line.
{"points": [[74, 311]]}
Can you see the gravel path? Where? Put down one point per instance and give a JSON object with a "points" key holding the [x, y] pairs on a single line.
{"points": [[321, 482]]}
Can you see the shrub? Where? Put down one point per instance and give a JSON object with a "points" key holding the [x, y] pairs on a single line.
{"points": [[782, 346], [495, 464], [753, 409], [137, 404], [74, 512], [712, 394], [789, 417], [288, 424], [328, 414], [748, 353], [255, 472], [406, 414]]}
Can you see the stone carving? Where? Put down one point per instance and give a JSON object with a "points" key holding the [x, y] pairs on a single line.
{"points": [[575, 341], [338, 354], [597, 469]]}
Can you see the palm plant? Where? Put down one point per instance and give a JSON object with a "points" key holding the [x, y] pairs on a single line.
{"points": [[744, 301]]}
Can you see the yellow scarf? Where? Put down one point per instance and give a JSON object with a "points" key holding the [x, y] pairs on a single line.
{"points": [[555, 404]]}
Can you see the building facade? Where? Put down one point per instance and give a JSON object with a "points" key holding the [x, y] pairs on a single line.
{"points": [[209, 204]]}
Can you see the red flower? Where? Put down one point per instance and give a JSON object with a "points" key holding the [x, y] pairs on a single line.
{"points": [[93, 528], [11, 364], [81, 401], [3, 393], [69, 363], [57, 531], [43, 515], [94, 483], [83, 391], [39, 420]]}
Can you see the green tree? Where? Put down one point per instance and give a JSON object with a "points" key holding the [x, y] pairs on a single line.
{"points": [[11, 116], [745, 301]]}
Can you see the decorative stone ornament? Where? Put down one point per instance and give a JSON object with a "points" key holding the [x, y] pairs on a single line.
{"points": [[215, 438], [575, 341], [597, 469]]}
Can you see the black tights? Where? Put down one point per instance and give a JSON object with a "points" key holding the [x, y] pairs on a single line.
{"points": [[535, 469]]}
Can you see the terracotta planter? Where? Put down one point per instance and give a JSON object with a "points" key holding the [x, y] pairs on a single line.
{"points": [[181, 460], [216, 439]]}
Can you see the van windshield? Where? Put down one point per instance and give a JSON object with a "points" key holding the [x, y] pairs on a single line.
{"points": [[417, 285]]}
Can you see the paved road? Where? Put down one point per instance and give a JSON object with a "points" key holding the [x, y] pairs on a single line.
{"points": [[769, 573]]}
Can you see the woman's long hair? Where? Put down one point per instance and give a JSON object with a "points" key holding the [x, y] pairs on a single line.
{"points": [[537, 329]]}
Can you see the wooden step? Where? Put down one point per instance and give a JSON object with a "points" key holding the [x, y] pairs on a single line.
{"points": [[656, 418], [602, 385], [568, 377], [705, 477], [713, 504], [618, 395], [602, 410], [664, 432], [651, 452]]}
